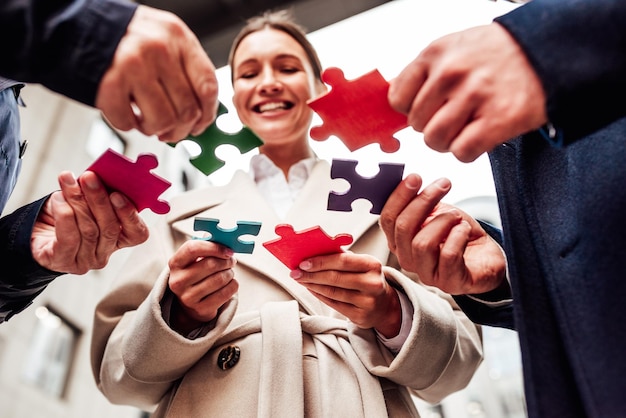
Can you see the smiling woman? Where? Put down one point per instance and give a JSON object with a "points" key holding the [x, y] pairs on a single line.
{"points": [[355, 47], [209, 328], [274, 75]]}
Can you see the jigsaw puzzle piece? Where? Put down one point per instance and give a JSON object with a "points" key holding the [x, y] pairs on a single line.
{"points": [[293, 247], [376, 189], [357, 111], [208, 141], [133, 179], [228, 237]]}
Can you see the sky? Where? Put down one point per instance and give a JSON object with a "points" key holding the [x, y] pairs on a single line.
{"points": [[386, 38]]}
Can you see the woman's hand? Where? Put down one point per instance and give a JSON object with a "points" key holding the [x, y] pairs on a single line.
{"points": [[353, 285], [202, 279]]}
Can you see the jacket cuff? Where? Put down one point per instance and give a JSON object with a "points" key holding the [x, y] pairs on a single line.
{"points": [[26, 278], [99, 25]]}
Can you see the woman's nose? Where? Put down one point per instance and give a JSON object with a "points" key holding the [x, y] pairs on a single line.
{"points": [[269, 83]]}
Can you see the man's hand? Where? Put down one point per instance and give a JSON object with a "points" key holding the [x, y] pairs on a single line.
{"points": [[445, 247], [80, 226], [470, 91], [161, 70]]}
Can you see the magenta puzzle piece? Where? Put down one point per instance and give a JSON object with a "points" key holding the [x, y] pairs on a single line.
{"points": [[293, 247], [376, 189], [357, 112], [133, 179]]}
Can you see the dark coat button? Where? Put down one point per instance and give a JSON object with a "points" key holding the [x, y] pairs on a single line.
{"points": [[228, 357]]}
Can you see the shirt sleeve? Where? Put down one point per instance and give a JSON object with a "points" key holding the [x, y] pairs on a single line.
{"points": [[394, 344]]}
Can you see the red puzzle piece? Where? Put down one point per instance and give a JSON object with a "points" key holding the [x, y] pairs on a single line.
{"points": [[293, 247], [133, 179], [357, 111]]}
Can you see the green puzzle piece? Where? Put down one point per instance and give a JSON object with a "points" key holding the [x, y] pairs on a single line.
{"points": [[245, 140]]}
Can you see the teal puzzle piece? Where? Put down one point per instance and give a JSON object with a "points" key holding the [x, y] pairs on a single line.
{"points": [[228, 237], [245, 140]]}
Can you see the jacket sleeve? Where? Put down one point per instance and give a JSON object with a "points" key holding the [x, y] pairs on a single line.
{"points": [[493, 308], [24, 279], [66, 45], [577, 49], [443, 349], [136, 357]]}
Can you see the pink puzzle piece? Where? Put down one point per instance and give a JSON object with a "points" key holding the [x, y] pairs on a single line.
{"points": [[357, 111], [293, 247], [133, 179]]}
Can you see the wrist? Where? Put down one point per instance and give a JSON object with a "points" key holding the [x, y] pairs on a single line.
{"points": [[393, 315], [181, 321]]}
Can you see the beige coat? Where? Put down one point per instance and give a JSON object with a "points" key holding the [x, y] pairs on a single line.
{"points": [[298, 357]]}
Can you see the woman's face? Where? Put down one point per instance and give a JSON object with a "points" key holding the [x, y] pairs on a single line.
{"points": [[273, 79]]}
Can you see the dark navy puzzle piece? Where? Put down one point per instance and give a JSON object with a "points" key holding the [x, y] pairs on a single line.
{"points": [[357, 111], [208, 141], [228, 237], [376, 189], [133, 179], [293, 247]]}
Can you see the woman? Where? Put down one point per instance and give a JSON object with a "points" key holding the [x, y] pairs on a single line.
{"points": [[343, 335]]}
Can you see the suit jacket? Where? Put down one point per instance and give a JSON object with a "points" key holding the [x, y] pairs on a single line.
{"points": [[562, 213], [25, 279], [66, 45], [298, 357]]}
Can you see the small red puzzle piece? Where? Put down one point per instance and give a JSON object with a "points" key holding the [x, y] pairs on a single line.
{"points": [[357, 111], [133, 179], [293, 247]]}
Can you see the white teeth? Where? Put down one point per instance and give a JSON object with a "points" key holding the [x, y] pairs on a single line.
{"points": [[271, 106]]}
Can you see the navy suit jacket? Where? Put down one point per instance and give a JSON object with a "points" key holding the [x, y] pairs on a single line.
{"points": [[563, 211], [66, 45]]}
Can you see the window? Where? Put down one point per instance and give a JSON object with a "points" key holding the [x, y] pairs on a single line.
{"points": [[101, 137], [50, 353]]}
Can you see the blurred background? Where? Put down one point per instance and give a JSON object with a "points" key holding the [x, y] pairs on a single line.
{"points": [[44, 352]]}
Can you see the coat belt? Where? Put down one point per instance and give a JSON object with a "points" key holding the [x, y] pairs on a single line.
{"points": [[281, 388]]}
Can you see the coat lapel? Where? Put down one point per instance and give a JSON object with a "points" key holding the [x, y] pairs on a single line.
{"points": [[241, 200], [310, 208]]}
